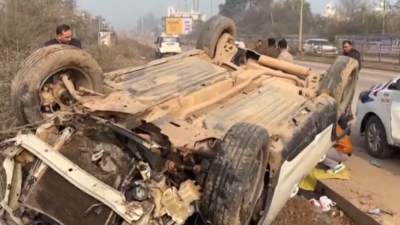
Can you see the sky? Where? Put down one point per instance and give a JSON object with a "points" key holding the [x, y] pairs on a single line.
{"points": [[123, 14]]}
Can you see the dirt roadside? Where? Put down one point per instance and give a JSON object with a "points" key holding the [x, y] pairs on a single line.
{"points": [[298, 211]]}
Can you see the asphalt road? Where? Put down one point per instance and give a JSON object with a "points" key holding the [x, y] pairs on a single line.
{"points": [[367, 77]]}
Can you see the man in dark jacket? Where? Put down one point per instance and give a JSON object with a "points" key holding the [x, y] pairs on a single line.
{"points": [[64, 36], [271, 50], [349, 51]]}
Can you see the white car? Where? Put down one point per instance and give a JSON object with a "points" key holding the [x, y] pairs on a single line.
{"points": [[320, 47], [167, 45], [378, 118]]}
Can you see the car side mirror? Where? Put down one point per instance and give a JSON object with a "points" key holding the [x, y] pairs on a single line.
{"points": [[398, 84]]}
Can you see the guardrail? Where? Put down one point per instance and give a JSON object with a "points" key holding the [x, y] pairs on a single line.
{"points": [[369, 52]]}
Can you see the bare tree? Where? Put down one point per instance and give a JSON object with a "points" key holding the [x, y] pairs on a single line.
{"points": [[351, 8]]}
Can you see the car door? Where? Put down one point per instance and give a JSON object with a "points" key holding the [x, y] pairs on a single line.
{"points": [[392, 97]]}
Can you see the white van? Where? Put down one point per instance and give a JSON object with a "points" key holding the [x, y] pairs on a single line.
{"points": [[167, 45]]}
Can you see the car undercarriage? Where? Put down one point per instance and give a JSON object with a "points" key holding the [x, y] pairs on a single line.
{"points": [[206, 136]]}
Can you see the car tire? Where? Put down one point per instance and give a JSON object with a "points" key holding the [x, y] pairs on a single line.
{"points": [[38, 67], [212, 31], [340, 82], [384, 150], [240, 164]]}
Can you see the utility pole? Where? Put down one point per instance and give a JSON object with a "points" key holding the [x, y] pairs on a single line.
{"points": [[142, 27], [211, 7], [301, 25], [383, 16]]}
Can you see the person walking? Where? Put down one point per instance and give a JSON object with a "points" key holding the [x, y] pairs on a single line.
{"points": [[284, 54], [64, 36], [272, 50], [351, 52]]}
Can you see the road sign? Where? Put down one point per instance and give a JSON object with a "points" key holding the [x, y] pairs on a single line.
{"points": [[174, 25]]}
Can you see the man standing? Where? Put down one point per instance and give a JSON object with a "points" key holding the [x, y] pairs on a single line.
{"points": [[64, 36], [271, 50], [258, 45], [284, 54], [349, 51]]}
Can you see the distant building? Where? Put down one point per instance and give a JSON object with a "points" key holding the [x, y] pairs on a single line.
{"points": [[196, 16], [330, 10]]}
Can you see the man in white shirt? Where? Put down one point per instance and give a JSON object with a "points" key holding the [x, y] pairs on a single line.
{"points": [[284, 54]]}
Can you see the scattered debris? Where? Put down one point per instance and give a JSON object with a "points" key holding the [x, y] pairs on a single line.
{"points": [[299, 211], [315, 202], [376, 163], [375, 211], [378, 211], [324, 203]]}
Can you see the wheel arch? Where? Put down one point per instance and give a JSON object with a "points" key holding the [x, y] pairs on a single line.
{"points": [[387, 130], [365, 119]]}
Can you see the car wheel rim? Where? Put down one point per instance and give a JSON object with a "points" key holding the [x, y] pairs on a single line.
{"points": [[374, 137]]}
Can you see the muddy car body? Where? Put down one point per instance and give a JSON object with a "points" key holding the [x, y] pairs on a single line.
{"points": [[204, 136]]}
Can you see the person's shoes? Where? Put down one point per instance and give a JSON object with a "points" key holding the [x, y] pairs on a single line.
{"points": [[336, 169]]}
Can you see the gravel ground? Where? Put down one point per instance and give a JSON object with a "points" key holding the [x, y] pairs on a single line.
{"points": [[298, 211]]}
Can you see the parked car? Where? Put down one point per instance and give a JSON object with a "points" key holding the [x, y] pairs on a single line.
{"points": [[319, 47], [378, 118], [193, 136]]}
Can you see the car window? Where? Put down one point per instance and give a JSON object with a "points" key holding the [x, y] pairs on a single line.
{"points": [[170, 39], [392, 85]]}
